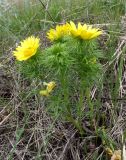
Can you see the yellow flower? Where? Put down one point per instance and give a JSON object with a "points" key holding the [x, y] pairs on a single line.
{"points": [[49, 88], [116, 155], [27, 48], [44, 93], [84, 32], [59, 32], [109, 151]]}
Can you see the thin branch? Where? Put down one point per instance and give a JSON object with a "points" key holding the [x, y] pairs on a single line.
{"points": [[44, 6]]}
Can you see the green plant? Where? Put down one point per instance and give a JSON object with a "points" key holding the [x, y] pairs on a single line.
{"points": [[74, 53]]}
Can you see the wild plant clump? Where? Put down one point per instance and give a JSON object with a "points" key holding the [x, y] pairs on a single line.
{"points": [[71, 65]]}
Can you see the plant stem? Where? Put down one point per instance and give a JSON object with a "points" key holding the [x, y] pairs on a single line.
{"points": [[76, 123], [90, 104], [80, 103]]}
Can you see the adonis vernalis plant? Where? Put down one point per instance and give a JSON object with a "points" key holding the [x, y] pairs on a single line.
{"points": [[72, 63], [50, 86], [59, 32], [27, 49], [84, 32]]}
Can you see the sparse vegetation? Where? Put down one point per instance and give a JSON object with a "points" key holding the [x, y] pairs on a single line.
{"points": [[33, 127]]}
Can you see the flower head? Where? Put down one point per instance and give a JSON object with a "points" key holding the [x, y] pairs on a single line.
{"points": [[116, 155], [44, 93], [49, 88], [84, 32], [27, 48], [59, 32]]}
